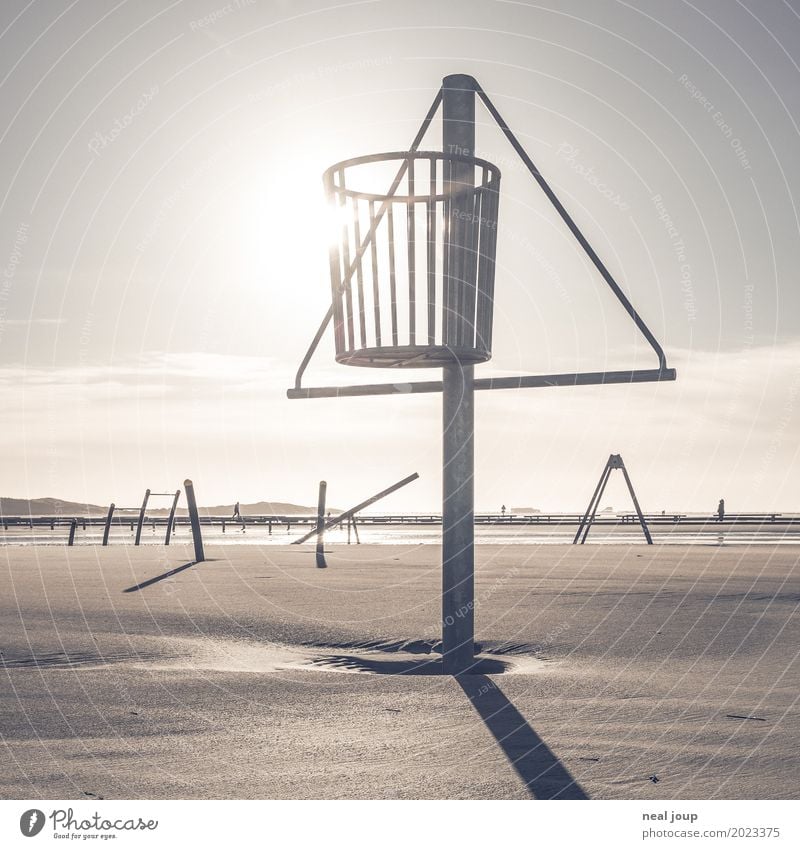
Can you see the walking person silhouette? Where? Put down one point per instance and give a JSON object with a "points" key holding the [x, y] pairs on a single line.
{"points": [[721, 510]]}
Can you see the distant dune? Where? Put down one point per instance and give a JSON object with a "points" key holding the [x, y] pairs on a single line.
{"points": [[262, 508], [47, 507], [58, 507]]}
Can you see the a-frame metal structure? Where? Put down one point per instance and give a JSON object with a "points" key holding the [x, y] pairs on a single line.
{"points": [[614, 462]]}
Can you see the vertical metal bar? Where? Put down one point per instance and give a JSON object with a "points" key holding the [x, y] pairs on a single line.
{"points": [[482, 313], [321, 564], [458, 497], [335, 265], [447, 286], [431, 233], [376, 295], [642, 521], [194, 519], [412, 257], [362, 316], [471, 270], [73, 526], [486, 265], [107, 527], [348, 291], [392, 274], [459, 213], [141, 517], [171, 518]]}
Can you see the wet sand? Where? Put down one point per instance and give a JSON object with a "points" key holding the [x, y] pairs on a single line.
{"points": [[607, 672]]}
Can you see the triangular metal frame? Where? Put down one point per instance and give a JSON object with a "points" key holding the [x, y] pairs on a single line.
{"points": [[614, 462], [663, 372]]}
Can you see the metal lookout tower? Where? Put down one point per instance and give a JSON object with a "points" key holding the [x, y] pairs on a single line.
{"points": [[412, 279]]}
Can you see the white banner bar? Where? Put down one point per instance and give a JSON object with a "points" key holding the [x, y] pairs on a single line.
{"points": [[402, 824]]}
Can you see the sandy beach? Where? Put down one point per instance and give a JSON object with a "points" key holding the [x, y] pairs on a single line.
{"points": [[607, 672]]}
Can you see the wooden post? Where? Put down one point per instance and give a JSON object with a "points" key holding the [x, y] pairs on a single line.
{"points": [[194, 519], [458, 466], [171, 519], [73, 526], [107, 527], [141, 517], [321, 564], [355, 530]]}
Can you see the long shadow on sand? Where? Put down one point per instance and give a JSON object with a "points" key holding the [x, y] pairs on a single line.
{"points": [[404, 666], [543, 773], [151, 581]]}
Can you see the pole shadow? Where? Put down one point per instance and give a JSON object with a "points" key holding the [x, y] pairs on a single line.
{"points": [[543, 773], [150, 581]]}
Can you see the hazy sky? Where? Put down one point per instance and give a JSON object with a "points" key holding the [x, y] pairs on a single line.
{"points": [[165, 262]]}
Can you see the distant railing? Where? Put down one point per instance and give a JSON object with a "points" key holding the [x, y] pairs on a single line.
{"points": [[272, 522]]}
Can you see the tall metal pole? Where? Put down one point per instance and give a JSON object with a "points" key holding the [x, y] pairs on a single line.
{"points": [[458, 496]]}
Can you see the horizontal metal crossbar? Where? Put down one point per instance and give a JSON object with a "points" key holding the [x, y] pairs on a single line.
{"points": [[589, 378]]}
